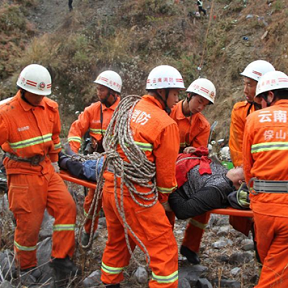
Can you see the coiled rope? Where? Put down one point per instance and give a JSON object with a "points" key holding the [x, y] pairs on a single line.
{"points": [[138, 170]]}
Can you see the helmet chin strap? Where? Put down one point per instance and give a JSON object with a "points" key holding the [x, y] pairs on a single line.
{"points": [[105, 100], [24, 98], [166, 108]]}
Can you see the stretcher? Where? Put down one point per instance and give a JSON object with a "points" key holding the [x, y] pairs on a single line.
{"points": [[224, 211], [66, 176]]}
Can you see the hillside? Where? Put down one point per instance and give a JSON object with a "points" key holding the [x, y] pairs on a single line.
{"points": [[132, 37]]}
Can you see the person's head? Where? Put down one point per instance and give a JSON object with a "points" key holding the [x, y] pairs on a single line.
{"points": [[108, 87], [252, 73], [236, 175], [164, 82], [271, 87], [200, 93], [34, 82]]}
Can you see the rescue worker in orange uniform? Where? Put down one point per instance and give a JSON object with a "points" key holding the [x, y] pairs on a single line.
{"points": [[194, 132], [30, 127], [265, 165], [157, 135], [96, 118], [241, 110]]}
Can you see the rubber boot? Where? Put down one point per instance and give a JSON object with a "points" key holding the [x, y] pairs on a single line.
{"points": [[191, 256], [64, 270]]}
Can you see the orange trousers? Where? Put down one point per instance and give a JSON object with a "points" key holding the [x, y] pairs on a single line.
{"points": [[28, 197], [152, 227], [194, 232], [87, 204], [271, 235]]}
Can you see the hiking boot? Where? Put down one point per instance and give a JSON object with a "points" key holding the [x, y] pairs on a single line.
{"points": [[191, 256], [30, 276], [64, 269], [85, 238]]}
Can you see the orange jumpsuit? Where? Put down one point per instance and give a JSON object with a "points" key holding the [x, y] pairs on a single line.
{"points": [[157, 134], [194, 131], [238, 119], [265, 157], [96, 118], [27, 131]]}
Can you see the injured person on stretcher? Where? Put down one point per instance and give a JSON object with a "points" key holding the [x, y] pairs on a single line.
{"points": [[202, 193], [206, 186]]}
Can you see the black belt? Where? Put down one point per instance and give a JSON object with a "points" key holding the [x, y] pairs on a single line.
{"points": [[34, 161]]}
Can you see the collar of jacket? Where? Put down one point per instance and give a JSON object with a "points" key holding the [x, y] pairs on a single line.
{"points": [[154, 100]]}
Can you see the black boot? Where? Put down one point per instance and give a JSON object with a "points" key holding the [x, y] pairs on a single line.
{"points": [[64, 269], [112, 285], [30, 276], [191, 256]]}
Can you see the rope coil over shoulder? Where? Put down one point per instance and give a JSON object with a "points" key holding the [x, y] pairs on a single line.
{"points": [[139, 170]]}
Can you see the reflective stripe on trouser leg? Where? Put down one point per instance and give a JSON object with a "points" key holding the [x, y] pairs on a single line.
{"points": [[87, 204], [154, 232], [61, 206], [194, 232], [116, 255], [27, 200]]}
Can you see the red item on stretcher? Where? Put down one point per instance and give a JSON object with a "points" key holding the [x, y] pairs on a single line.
{"points": [[185, 162]]}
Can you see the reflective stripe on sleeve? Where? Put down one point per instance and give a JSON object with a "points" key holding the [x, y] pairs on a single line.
{"points": [[111, 270], [144, 146], [165, 279], [24, 248], [269, 146], [64, 227], [57, 146], [166, 190], [31, 141], [75, 139], [98, 131]]}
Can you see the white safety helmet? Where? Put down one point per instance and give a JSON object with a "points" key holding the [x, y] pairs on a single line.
{"points": [[204, 88], [272, 80], [256, 69], [111, 80], [164, 76], [36, 79]]}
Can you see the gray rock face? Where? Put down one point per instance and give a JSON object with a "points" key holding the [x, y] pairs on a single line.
{"points": [[6, 284], [141, 275], [240, 258], [93, 279]]}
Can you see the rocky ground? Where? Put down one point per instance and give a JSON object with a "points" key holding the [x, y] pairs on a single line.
{"points": [[227, 257]]}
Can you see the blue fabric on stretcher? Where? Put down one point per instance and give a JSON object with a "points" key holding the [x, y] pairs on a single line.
{"points": [[92, 169]]}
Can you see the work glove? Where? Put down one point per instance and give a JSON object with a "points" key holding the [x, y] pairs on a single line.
{"points": [[189, 150], [166, 206], [56, 167]]}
